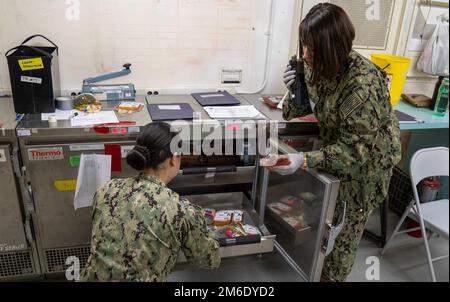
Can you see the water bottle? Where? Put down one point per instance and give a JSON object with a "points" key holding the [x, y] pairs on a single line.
{"points": [[441, 106]]}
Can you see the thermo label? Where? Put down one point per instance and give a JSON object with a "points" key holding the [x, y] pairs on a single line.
{"points": [[45, 154]]}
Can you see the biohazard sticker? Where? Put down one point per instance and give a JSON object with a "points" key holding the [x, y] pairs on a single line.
{"points": [[45, 154]]}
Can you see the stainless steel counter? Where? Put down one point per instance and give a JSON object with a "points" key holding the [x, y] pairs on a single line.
{"points": [[292, 127], [8, 121], [39, 128]]}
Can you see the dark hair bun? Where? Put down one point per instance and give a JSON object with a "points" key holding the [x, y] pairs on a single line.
{"points": [[138, 158], [152, 146]]}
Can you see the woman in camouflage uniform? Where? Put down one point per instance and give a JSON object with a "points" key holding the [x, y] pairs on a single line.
{"points": [[140, 225], [350, 98]]}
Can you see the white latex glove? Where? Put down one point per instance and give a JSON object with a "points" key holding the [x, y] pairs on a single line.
{"points": [[296, 161], [289, 77]]}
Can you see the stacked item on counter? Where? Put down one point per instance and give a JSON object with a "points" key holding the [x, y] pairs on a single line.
{"points": [[291, 209], [229, 227]]}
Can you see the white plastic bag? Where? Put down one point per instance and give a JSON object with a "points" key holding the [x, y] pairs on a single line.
{"points": [[435, 57]]}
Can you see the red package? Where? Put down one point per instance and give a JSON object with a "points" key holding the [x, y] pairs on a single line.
{"points": [[290, 200], [271, 102], [283, 161]]}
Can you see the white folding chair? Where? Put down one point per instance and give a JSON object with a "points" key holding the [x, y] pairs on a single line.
{"points": [[434, 215]]}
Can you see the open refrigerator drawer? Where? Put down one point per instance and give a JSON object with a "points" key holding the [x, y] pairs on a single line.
{"points": [[299, 210], [240, 246]]}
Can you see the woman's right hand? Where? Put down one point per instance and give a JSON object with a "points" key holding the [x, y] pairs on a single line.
{"points": [[290, 163]]}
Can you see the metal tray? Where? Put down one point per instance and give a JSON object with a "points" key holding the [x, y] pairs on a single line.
{"points": [[237, 201]]}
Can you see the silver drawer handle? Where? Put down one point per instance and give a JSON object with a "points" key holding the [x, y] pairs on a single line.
{"points": [[333, 232], [28, 232]]}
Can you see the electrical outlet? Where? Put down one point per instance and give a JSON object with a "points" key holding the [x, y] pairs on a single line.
{"points": [[231, 76]]}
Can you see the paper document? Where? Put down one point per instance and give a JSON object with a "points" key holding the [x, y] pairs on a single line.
{"points": [[60, 115], [232, 112], [94, 172], [104, 117]]}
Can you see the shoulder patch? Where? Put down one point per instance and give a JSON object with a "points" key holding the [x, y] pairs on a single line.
{"points": [[351, 104]]}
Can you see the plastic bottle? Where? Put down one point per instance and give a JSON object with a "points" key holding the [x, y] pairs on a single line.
{"points": [[441, 106], [436, 91]]}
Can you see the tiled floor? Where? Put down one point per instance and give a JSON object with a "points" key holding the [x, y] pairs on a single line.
{"points": [[404, 261]]}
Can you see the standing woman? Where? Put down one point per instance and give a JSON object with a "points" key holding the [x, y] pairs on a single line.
{"points": [[357, 124]]}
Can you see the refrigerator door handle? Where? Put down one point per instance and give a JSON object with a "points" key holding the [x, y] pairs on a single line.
{"points": [[27, 193], [16, 163], [333, 232], [28, 232]]}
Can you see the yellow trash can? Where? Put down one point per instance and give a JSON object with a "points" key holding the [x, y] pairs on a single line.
{"points": [[397, 71]]}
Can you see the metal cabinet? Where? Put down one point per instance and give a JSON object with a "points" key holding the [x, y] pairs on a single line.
{"points": [[17, 252], [51, 174]]}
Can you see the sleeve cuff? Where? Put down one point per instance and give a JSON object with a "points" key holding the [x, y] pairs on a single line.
{"points": [[314, 158]]}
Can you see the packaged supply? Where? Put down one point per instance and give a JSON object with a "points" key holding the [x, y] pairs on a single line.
{"points": [[223, 218], [237, 217], [209, 215], [282, 207]]}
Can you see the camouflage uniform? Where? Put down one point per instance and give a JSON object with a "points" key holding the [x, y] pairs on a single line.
{"points": [[139, 228], [361, 138]]}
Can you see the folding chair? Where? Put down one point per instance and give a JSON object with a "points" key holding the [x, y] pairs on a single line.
{"points": [[434, 215]]}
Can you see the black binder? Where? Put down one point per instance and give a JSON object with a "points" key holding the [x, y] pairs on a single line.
{"points": [[170, 112], [404, 118], [216, 99]]}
